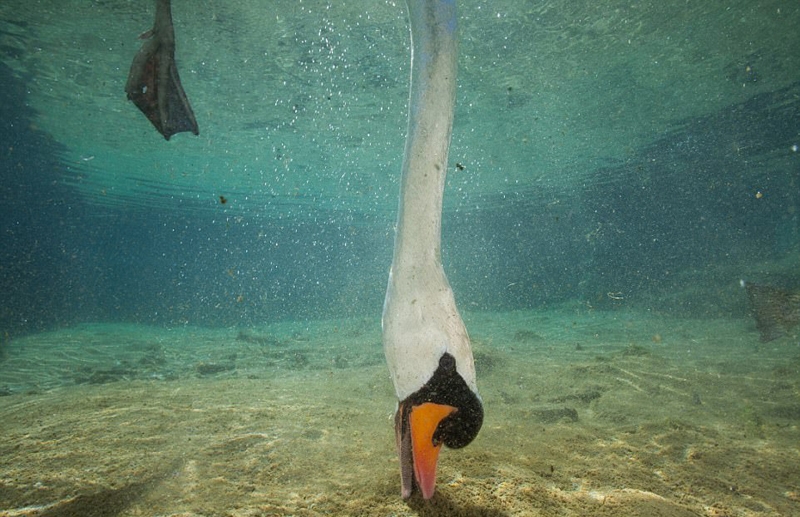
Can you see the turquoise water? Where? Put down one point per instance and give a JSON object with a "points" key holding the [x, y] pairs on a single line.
{"points": [[612, 159], [601, 147]]}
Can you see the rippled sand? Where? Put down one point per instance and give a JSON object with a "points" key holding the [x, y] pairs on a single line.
{"points": [[587, 413]]}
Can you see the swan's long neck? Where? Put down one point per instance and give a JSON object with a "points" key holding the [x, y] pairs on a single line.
{"points": [[420, 318], [430, 123]]}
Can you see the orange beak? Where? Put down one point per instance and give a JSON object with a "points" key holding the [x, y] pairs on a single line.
{"points": [[424, 420]]}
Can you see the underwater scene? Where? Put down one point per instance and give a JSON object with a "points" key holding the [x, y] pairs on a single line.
{"points": [[203, 202]]}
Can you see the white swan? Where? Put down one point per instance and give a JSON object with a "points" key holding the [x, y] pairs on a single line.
{"points": [[425, 342]]}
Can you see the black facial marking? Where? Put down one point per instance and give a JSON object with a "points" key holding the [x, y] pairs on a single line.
{"points": [[447, 387]]}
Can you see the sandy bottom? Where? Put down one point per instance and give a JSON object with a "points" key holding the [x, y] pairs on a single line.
{"points": [[587, 413]]}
